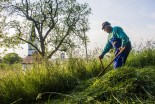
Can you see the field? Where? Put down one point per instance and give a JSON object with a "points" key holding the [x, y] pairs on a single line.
{"points": [[74, 81]]}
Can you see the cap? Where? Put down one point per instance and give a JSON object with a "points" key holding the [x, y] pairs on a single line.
{"points": [[105, 24]]}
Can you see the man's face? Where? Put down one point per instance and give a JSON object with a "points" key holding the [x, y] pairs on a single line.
{"points": [[107, 29]]}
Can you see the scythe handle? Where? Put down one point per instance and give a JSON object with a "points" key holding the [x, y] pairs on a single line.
{"points": [[109, 63]]}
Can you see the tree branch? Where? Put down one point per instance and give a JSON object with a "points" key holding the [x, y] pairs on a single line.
{"points": [[61, 41], [30, 44], [52, 18]]}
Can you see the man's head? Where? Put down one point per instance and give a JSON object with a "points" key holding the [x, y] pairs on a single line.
{"points": [[106, 26]]}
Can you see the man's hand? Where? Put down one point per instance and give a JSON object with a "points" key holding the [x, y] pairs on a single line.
{"points": [[101, 56]]}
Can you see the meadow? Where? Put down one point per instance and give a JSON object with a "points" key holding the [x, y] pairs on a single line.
{"points": [[75, 81]]}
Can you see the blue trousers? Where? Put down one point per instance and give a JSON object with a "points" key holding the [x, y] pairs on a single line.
{"points": [[121, 59]]}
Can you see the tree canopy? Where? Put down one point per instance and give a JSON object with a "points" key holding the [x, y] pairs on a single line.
{"points": [[54, 24]]}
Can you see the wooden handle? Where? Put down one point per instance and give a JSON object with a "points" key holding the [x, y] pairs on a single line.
{"points": [[110, 62]]}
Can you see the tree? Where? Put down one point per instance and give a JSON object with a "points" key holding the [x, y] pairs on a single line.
{"points": [[12, 58], [56, 24]]}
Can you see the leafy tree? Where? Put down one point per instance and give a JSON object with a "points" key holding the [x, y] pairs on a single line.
{"points": [[55, 24], [12, 58], [2, 22]]}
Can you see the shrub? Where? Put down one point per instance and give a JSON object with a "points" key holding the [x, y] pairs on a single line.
{"points": [[12, 58]]}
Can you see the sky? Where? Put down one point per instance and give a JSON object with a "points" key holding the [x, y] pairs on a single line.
{"points": [[136, 17]]}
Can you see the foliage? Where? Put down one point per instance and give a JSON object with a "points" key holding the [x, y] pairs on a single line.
{"points": [[12, 58], [54, 24]]}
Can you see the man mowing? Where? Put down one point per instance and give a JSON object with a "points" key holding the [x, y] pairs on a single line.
{"points": [[118, 40]]}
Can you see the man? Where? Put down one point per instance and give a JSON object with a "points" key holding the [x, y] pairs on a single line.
{"points": [[117, 39]]}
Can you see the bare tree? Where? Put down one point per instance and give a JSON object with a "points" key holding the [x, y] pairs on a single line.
{"points": [[57, 23]]}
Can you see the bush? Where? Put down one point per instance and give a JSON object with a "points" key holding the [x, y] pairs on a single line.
{"points": [[12, 58]]}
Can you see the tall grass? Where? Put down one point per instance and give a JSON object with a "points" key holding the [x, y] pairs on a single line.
{"points": [[139, 59], [43, 81], [24, 86]]}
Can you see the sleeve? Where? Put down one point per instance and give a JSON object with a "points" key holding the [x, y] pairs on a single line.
{"points": [[122, 35], [107, 47]]}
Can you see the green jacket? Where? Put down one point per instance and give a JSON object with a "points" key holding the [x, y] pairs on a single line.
{"points": [[117, 32]]}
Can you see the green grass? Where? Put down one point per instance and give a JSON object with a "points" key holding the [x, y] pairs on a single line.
{"points": [[46, 77], [123, 86], [74, 81], [142, 58]]}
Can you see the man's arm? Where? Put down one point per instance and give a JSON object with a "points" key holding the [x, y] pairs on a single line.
{"points": [[106, 49]]}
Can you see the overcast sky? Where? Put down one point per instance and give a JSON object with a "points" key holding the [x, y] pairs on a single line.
{"points": [[136, 17]]}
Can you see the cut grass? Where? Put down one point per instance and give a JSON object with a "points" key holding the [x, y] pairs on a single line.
{"points": [[123, 86]]}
